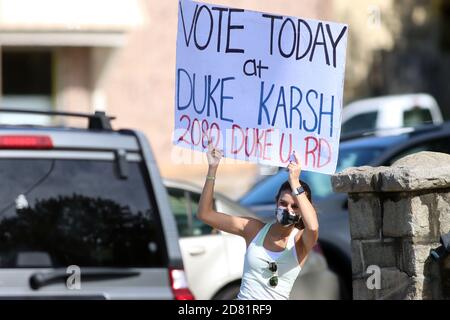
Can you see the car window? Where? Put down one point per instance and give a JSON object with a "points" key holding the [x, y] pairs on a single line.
{"points": [[184, 205], [180, 206], [320, 184], [416, 116], [360, 122], [436, 145], [198, 227], [56, 213]]}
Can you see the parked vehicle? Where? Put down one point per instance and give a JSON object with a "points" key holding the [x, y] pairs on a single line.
{"points": [[214, 259], [334, 236], [388, 114], [88, 203]]}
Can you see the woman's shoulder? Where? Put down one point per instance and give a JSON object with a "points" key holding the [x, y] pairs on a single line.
{"points": [[252, 229], [255, 224]]}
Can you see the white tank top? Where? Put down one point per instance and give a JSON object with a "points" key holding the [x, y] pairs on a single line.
{"points": [[255, 280]]}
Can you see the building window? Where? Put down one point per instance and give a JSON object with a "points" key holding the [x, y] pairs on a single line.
{"points": [[26, 84]]}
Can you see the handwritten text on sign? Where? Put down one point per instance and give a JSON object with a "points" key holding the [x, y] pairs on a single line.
{"points": [[259, 85]]}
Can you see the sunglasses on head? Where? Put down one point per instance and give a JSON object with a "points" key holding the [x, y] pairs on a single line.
{"points": [[273, 281]]}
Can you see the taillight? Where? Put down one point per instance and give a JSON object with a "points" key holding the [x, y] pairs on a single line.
{"points": [[25, 142], [179, 285]]}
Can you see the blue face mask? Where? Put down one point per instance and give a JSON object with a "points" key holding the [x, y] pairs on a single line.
{"points": [[286, 218]]}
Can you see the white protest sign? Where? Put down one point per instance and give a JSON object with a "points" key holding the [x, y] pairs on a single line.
{"points": [[259, 85]]}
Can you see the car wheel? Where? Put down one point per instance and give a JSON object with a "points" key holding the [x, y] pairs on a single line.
{"points": [[228, 293]]}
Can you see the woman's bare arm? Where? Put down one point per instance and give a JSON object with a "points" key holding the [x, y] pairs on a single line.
{"points": [[309, 215], [244, 227]]}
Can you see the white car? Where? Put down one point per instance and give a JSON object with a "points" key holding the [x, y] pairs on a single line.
{"points": [[214, 260], [386, 114]]}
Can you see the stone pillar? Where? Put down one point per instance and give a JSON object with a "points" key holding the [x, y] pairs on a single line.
{"points": [[397, 215]]}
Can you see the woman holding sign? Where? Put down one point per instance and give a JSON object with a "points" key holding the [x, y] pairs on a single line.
{"points": [[277, 251]]}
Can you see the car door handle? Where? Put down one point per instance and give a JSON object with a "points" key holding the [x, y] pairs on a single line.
{"points": [[197, 250]]}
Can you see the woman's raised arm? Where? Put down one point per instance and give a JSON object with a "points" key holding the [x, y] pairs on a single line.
{"points": [[244, 227], [309, 215]]}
